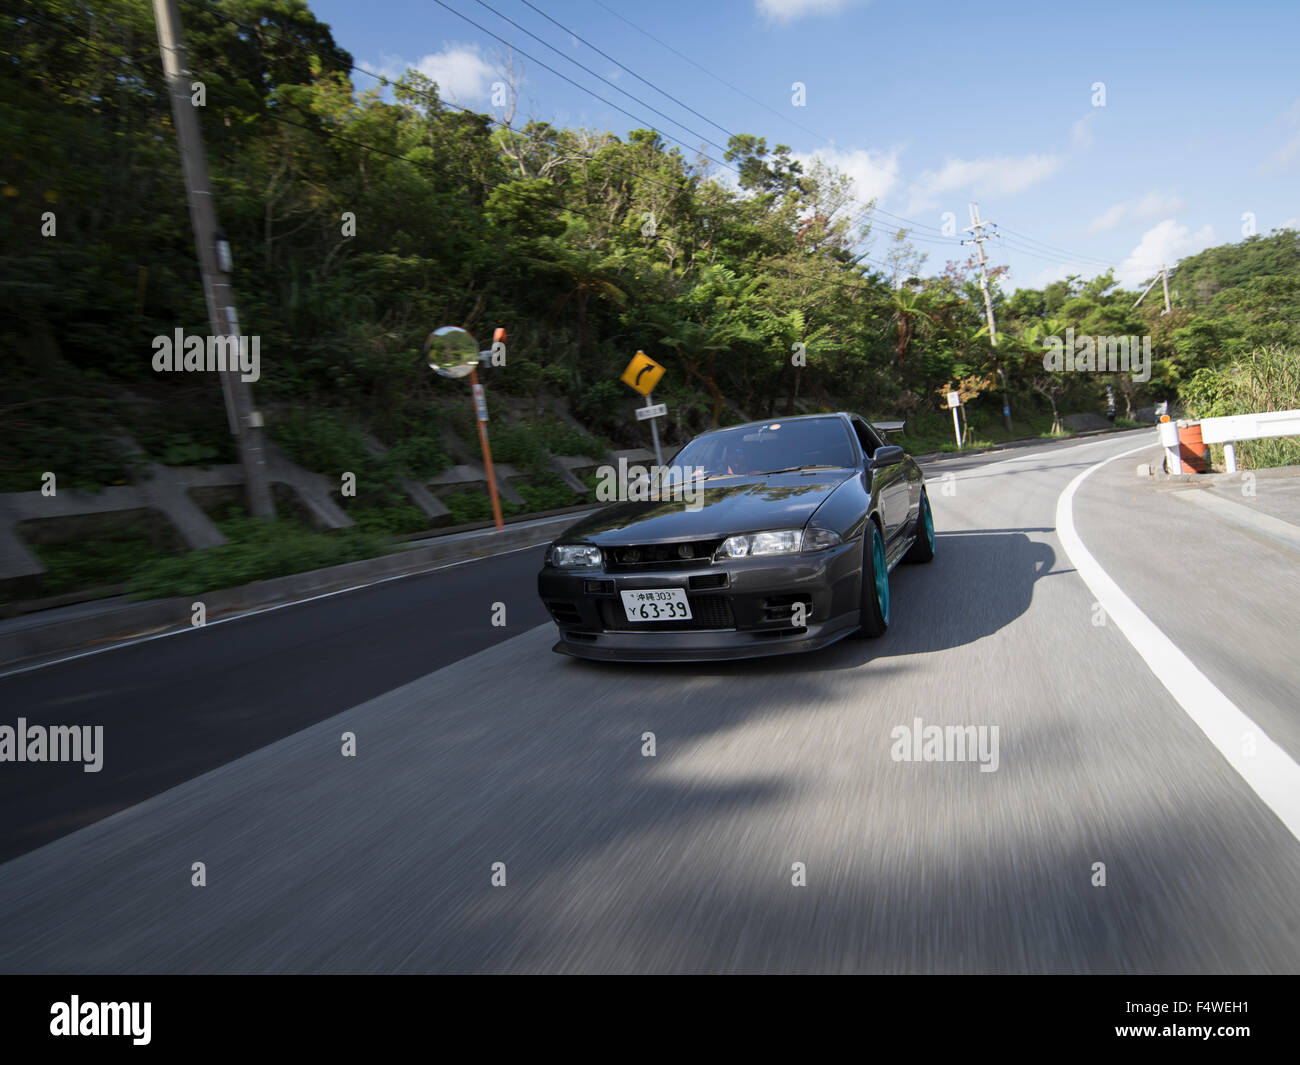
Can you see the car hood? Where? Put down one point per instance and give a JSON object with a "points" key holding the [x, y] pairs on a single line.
{"points": [[726, 507]]}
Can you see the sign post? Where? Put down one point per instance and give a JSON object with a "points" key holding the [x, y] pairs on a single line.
{"points": [[954, 401], [659, 411]]}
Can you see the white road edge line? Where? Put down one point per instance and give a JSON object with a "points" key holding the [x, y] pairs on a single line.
{"points": [[262, 610], [1270, 772], [974, 471]]}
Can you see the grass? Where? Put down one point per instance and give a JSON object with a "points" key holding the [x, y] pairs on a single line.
{"points": [[468, 505], [548, 493], [79, 565], [257, 551], [935, 433]]}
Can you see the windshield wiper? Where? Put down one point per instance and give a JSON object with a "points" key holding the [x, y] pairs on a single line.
{"points": [[798, 469]]}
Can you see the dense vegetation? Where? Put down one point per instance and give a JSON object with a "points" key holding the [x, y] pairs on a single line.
{"points": [[584, 244]]}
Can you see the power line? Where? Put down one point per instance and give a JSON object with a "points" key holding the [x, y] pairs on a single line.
{"points": [[710, 73], [1052, 258], [634, 74], [579, 85], [616, 88], [1053, 248]]}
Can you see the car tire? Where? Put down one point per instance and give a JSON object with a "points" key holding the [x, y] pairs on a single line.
{"points": [[873, 617], [922, 549]]}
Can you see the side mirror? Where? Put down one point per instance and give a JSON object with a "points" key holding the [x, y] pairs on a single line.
{"points": [[888, 455]]}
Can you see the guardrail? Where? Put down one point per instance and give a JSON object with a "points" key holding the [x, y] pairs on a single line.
{"points": [[1227, 431]]}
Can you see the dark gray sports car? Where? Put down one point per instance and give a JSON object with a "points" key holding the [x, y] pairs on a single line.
{"points": [[759, 539]]}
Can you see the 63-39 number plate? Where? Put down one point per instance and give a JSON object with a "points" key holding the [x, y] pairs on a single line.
{"points": [[656, 604]]}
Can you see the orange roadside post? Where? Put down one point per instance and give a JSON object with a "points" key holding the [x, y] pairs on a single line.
{"points": [[480, 415]]}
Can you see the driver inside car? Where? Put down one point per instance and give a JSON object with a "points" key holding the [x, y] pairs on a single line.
{"points": [[735, 458]]}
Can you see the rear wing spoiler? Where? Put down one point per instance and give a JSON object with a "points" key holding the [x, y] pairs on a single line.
{"points": [[889, 427]]}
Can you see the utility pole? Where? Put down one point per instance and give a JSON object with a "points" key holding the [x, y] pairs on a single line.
{"points": [[245, 422], [977, 228], [1164, 277]]}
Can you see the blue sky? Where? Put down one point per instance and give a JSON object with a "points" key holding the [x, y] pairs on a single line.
{"points": [[927, 105]]}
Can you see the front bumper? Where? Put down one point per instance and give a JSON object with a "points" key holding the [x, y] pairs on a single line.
{"points": [[742, 608]]}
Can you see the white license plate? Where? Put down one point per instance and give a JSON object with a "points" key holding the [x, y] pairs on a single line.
{"points": [[656, 604]]}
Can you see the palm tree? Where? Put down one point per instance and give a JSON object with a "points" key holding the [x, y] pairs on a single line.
{"points": [[909, 305], [586, 272], [698, 347]]}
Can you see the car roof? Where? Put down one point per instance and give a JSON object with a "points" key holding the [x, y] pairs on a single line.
{"points": [[793, 418]]}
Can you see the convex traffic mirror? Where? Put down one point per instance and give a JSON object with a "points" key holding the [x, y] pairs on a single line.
{"points": [[451, 351]]}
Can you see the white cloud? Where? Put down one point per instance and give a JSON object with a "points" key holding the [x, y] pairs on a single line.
{"points": [[1290, 223], [789, 10], [460, 71], [1166, 242], [1288, 152], [1044, 277], [874, 174], [1081, 131], [974, 178], [1280, 161], [1152, 205], [1108, 219]]}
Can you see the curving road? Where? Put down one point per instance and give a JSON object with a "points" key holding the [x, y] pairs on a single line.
{"points": [[476, 745]]}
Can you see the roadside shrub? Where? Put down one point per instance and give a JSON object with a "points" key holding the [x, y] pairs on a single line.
{"points": [[560, 438], [473, 505], [317, 440], [1266, 379], [546, 494]]}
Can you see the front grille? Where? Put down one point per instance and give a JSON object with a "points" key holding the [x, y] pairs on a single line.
{"points": [[707, 612], [623, 558], [708, 580]]}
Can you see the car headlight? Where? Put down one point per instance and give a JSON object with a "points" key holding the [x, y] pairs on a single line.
{"points": [[816, 539], [781, 542], [565, 556]]}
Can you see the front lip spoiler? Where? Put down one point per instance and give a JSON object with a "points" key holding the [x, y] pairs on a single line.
{"points": [[756, 649]]}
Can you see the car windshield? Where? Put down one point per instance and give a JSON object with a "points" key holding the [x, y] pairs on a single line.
{"points": [[769, 447]]}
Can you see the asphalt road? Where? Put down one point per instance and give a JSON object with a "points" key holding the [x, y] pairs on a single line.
{"points": [[476, 745]]}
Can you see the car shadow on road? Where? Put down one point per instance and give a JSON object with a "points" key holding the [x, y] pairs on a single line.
{"points": [[978, 582]]}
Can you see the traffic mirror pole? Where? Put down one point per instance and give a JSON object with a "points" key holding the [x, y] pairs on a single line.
{"points": [[480, 416]]}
